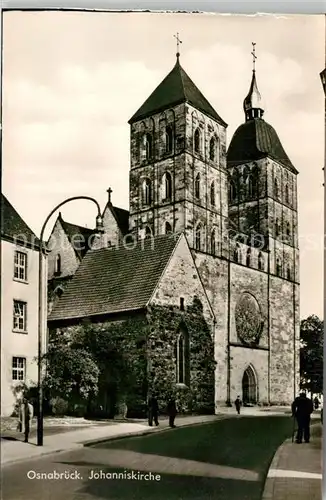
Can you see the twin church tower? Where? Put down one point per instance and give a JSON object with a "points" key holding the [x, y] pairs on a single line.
{"points": [[238, 210]]}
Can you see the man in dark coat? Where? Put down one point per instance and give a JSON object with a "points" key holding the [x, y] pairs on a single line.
{"points": [[302, 408], [172, 411], [237, 404], [153, 410]]}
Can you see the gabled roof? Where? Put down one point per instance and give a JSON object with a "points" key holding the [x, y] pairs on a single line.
{"points": [[121, 216], [13, 226], [112, 280], [256, 139], [176, 88], [74, 232]]}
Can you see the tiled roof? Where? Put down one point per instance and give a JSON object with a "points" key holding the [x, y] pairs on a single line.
{"points": [[13, 226], [74, 232], [112, 280], [254, 140], [176, 88]]}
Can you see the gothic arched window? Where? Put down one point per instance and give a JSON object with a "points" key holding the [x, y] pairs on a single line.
{"points": [[288, 272], [212, 194], [197, 186], [148, 232], [197, 140], [57, 268], [168, 139], [237, 254], [233, 190], [278, 267], [248, 257], [182, 357], [286, 193], [148, 146], [277, 228], [213, 242], [147, 192], [260, 261], [167, 186], [168, 228], [212, 149], [198, 237], [276, 190], [288, 229]]}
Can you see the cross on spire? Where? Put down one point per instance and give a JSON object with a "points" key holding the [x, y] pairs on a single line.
{"points": [[109, 191], [178, 43], [254, 57]]}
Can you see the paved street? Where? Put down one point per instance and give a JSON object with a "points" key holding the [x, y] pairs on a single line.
{"points": [[226, 460]]}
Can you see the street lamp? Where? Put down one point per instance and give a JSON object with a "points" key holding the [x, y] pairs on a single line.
{"points": [[41, 320]]}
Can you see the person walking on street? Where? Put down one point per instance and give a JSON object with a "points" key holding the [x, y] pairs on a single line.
{"points": [[172, 411], [26, 413], [302, 409], [238, 404], [153, 410], [316, 403]]}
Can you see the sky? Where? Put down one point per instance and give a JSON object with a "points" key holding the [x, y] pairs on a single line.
{"points": [[72, 80]]}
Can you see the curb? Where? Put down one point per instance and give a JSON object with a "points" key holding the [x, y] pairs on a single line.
{"points": [[268, 493], [14, 461]]}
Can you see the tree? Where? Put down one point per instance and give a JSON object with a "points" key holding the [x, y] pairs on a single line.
{"points": [[311, 354]]}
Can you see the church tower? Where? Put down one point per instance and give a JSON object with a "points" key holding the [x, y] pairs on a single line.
{"points": [[178, 180]]}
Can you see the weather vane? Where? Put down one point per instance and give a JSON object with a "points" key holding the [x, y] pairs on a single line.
{"points": [[178, 43], [253, 53]]}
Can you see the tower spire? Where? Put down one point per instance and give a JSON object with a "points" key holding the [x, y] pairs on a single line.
{"points": [[252, 104], [178, 45]]}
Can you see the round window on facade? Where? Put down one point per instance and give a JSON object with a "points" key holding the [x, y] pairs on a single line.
{"points": [[248, 319]]}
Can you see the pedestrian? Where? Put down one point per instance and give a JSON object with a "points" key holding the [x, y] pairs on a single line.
{"points": [[238, 404], [302, 409], [316, 403], [172, 411], [26, 413], [153, 410]]}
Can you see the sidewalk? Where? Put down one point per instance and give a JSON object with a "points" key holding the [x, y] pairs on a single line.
{"points": [[296, 470], [18, 451]]}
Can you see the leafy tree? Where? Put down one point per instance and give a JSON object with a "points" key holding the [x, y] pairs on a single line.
{"points": [[311, 354], [71, 372]]}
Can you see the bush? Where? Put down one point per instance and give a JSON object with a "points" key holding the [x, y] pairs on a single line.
{"points": [[59, 406]]}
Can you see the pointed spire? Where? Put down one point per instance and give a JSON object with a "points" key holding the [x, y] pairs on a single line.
{"points": [[252, 104]]}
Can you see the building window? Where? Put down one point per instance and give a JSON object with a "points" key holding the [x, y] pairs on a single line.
{"points": [[58, 291], [212, 193], [197, 140], [197, 186], [20, 316], [168, 228], [213, 243], [276, 190], [277, 228], [278, 267], [182, 304], [147, 192], [233, 191], [167, 186], [148, 146], [168, 139], [58, 264], [20, 268], [288, 229], [182, 356], [248, 258], [198, 237], [286, 193], [260, 261], [212, 149], [148, 232], [237, 254], [288, 272], [18, 368]]}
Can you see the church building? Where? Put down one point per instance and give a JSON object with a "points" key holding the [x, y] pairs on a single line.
{"points": [[212, 239]]}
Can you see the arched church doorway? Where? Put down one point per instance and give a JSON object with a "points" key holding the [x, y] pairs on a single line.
{"points": [[249, 387]]}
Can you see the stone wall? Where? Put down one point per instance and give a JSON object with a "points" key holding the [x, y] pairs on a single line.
{"points": [[60, 244]]}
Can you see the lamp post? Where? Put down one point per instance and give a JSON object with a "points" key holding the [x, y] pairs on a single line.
{"points": [[41, 318]]}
